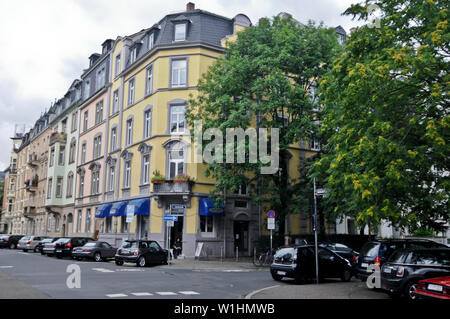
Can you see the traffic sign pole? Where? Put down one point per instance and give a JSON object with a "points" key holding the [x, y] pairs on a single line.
{"points": [[271, 226]]}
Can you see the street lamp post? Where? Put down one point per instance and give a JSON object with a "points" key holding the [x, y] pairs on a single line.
{"points": [[315, 234]]}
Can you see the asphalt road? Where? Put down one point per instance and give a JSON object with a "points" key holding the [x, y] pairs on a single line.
{"points": [[33, 276]]}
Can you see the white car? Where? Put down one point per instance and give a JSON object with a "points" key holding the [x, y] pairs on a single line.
{"points": [[29, 243]]}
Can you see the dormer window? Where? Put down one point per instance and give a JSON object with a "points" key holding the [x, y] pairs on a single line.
{"points": [[133, 55], [180, 31], [151, 40]]}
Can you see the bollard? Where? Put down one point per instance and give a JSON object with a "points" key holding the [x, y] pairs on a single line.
{"points": [[237, 253], [221, 254]]}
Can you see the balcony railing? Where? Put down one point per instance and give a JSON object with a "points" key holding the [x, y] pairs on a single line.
{"points": [[58, 138], [33, 160], [169, 188]]}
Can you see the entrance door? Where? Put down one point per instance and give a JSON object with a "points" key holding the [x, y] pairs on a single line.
{"points": [[176, 231], [241, 236]]}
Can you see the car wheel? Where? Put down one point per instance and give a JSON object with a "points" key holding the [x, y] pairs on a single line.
{"points": [[42, 253], [141, 262], [79, 258], [276, 277], [119, 262], [346, 275], [97, 257], [25, 250], [12, 246], [59, 257], [409, 288], [35, 249]]}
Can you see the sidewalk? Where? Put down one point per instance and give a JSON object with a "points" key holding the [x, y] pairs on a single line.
{"points": [[12, 288], [230, 264]]}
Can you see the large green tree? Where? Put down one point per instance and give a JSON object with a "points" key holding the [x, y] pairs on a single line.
{"points": [[386, 117], [264, 80]]}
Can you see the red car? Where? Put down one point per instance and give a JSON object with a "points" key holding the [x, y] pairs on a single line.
{"points": [[434, 288]]}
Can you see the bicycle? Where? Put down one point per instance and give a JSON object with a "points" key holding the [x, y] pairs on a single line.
{"points": [[264, 259]]}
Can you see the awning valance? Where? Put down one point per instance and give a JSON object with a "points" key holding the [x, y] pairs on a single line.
{"points": [[141, 206], [103, 211], [206, 208], [119, 209]]}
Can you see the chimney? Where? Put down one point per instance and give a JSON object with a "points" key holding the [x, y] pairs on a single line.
{"points": [[190, 6]]}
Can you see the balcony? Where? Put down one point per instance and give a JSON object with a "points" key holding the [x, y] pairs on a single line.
{"points": [[58, 138], [10, 193], [31, 186], [170, 188], [33, 160], [29, 210]]}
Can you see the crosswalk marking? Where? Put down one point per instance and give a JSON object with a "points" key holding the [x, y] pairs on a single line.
{"points": [[189, 292], [102, 270], [116, 295], [139, 294], [166, 293], [3, 267]]}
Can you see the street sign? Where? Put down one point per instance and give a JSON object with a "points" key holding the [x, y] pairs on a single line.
{"points": [[271, 214], [171, 217], [130, 214], [270, 223], [170, 223]]}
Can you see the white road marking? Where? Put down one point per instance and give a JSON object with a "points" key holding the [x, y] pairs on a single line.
{"points": [[189, 292], [250, 295], [116, 295], [235, 270], [130, 269], [142, 294], [166, 293], [3, 267], [102, 270]]}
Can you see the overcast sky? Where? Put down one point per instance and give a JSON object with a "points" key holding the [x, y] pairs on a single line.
{"points": [[45, 44]]}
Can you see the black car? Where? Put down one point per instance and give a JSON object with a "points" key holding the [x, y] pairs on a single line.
{"points": [[10, 241], [343, 251], [299, 263], [97, 250], [141, 252], [64, 246], [406, 267], [378, 251], [41, 244]]}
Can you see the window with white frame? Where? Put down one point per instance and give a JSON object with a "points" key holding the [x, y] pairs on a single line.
{"points": [[57, 222], [95, 182], [127, 174], [151, 40], [85, 123], [147, 123], [87, 88], [99, 112], [149, 80], [97, 146], [315, 144], [133, 55], [52, 157], [49, 222], [129, 132], [69, 185], [59, 186], [131, 92], [80, 220], [49, 187], [61, 159], [117, 67], [88, 221], [83, 153], [145, 168], [176, 159], [81, 190], [207, 225], [111, 174], [177, 120], [72, 151], [100, 79], [115, 107], [180, 31], [179, 73], [74, 122], [113, 138]]}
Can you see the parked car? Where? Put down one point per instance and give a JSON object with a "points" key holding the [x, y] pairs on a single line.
{"points": [[97, 250], [10, 241], [40, 245], [64, 246], [48, 248], [141, 252], [378, 251], [29, 243], [406, 267], [343, 251], [299, 263], [434, 288]]}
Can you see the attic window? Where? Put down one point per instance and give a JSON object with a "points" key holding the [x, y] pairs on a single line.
{"points": [[151, 40], [133, 55], [180, 31]]}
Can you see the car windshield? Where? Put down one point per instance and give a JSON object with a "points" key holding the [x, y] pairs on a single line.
{"points": [[25, 238], [63, 240], [284, 254], [91, 244], [47, 240], [398, 257], [370, 249], [431, 257], [130, 244]]}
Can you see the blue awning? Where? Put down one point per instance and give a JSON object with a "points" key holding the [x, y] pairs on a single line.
{"points": [[103, 211], [119, 209], [206, 208], [141, 206]]}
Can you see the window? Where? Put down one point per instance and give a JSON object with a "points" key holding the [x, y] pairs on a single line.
{"points": [[72, 151], [87, 88], [129, 132], [111, 178], [115, 107], [74, 122], [127, 174], [95, 182], [131, 92], [176, 160], [113, 138], [52, 156], [179, 73], [149, 80], [117, 69], [59, 186], [99, 112], [240, 203], [207, 225], [97, 146], [64, 126], [81, 190], [100, 79], [124, 225], [145, 169], [151, 41], [133, 55], [108, 224], [315, 144], [83, 153], [57, 222], [80, 219], [61, 159], [180, 31], [69, 185], [88, 221], [147, 124], [85, 123], [242, 190], [49, 187], [177, 120], [49, 222]]}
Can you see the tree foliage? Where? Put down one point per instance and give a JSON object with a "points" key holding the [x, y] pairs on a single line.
{"points": [[386, 118]]}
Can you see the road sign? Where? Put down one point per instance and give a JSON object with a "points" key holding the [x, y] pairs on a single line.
{"points": [[130, 213], [171, 217], [271, 214], [270, 223], [170, 223]]}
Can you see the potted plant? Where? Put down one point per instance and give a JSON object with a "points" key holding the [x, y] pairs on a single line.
{"points": [[158, 178], [35, 180], [27, 182], [181, 178]]}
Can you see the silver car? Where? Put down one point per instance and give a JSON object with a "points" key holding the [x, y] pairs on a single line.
{"points": [[29, 242]]}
